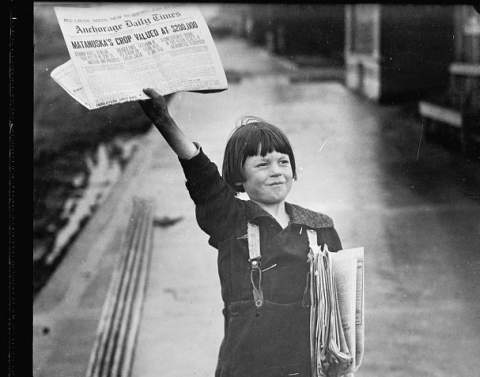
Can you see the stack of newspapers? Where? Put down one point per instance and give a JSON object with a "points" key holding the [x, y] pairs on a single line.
{"points": [[116, 51], [336, 311]]}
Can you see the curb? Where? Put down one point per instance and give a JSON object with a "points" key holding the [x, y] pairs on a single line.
{"points": [[66, 312]]}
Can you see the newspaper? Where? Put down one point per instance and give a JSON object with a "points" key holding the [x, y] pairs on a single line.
{"points": [[115, 52], [336, 309], [348, 271]]}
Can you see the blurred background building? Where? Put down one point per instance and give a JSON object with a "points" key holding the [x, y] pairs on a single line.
{"points": [[390, 54], [452, 115], [397, 51]]}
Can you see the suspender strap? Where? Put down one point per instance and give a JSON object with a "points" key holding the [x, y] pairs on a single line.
{"points": [[253, 242], [253, 232]]}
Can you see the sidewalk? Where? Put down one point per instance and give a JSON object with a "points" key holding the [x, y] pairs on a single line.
{"points": [[364, 165]]}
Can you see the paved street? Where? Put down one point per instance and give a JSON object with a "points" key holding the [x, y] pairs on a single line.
{"points": [[415, 207]]}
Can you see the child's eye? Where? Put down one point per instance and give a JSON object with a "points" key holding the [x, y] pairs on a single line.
{"points": [[261, 164], [284, 162]]}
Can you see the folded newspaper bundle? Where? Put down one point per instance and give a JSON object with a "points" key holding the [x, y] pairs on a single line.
{"points": [[116, 51], [336, 312]]}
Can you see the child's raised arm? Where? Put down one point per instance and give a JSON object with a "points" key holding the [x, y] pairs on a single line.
{"points": [[156, 109], [217, 208]]}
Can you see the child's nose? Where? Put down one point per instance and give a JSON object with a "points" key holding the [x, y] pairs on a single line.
{"points": [[275, 169]]}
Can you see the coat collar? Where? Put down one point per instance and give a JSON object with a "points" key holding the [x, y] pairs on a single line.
{"points": [[298, 215]]}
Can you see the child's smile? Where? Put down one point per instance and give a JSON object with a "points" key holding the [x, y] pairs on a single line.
{"points": [[268, 179]]}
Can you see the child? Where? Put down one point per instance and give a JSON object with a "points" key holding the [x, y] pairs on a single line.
{"points": [[262, 243]]}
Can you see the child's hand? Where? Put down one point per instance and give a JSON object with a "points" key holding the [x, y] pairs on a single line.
{"points": [[155, 108]]}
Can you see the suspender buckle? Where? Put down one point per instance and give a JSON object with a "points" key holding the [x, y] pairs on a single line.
{"points": [[253, 232], [256, 288]]}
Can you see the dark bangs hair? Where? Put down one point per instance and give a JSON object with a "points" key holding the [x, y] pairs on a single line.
{"points": [[244, 142]]}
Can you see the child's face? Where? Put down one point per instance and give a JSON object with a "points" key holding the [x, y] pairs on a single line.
{"points": [[268, 179]]}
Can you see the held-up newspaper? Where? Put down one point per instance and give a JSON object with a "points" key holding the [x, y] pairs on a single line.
{"points": [[115, 52]]}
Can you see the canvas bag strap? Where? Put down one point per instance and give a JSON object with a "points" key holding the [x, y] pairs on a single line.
{"points": [[313, 250], [312, 240], [253, 232]]}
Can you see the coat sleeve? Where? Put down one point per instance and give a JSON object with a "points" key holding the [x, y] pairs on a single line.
{"points": [[216, 207]]}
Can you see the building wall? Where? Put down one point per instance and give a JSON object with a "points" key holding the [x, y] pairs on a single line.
{"points": [[417, 47], [309, 29], [395, 52], [297, 29], [362, 49], [465, 71], [467, 35], [257, 19]]}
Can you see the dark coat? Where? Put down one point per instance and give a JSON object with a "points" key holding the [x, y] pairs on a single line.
{"points": [[273, 340]]}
